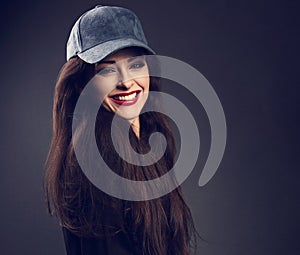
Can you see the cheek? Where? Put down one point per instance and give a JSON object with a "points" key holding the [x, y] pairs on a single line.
{"points": [[144, 83], [103, 88], [107, 105], [147, 84]]}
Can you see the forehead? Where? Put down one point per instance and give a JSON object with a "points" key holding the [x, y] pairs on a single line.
{"points": [[123, 54]]}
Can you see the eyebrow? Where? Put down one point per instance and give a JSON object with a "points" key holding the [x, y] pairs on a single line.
{"points": [[133, 58], [113, 61]]}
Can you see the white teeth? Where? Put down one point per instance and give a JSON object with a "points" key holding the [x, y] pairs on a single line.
{"points": [[126, 98]]}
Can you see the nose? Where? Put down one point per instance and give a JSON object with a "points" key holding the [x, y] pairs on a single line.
{"points": [[125, 85], [125, 81]]}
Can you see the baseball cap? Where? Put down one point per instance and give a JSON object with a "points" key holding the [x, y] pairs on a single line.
{"points": [[104, 30]]}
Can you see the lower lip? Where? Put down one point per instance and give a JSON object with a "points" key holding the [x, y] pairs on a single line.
{"points": [[126, 102]]}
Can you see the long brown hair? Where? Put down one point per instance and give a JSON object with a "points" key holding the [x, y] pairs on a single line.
{"points": [[159, 226]]}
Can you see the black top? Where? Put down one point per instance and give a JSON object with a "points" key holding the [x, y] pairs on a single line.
{"points": [[116, 241], [118, 244]]}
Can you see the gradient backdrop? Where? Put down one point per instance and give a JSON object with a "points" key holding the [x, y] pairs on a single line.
{"points": [[248, 50]]}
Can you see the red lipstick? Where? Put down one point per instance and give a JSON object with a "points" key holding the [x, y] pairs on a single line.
{"points": [[126, 98]]}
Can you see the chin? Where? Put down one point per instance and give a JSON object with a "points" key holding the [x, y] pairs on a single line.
{"points": [[128, 116]]}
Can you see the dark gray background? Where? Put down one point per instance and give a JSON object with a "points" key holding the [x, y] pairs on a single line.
{"points": [[248, 50]]}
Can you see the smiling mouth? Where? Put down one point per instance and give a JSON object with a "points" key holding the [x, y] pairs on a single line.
{"points": [[129, 98]]}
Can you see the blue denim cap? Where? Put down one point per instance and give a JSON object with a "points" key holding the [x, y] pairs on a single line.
{"points": [[105, 30]]}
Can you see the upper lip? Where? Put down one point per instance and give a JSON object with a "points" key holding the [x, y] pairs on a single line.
{"points": [[126, 93]]}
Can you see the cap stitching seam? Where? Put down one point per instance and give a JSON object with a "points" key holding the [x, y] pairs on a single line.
{"points": [[79, 32], [110, 13]]}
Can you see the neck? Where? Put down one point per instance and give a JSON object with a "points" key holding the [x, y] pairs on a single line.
{"points": [[135, 124]]}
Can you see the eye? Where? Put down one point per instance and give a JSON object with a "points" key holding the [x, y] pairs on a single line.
{"points": [[137, 65], [106, 71]]}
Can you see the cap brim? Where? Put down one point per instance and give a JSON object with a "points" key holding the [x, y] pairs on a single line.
{"points": [[99, 52]]}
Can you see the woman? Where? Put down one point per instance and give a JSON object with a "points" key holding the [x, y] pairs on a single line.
{"points": [[107, 46]]}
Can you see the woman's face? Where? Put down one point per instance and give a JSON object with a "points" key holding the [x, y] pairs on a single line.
{"points": [[123, 82]]}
